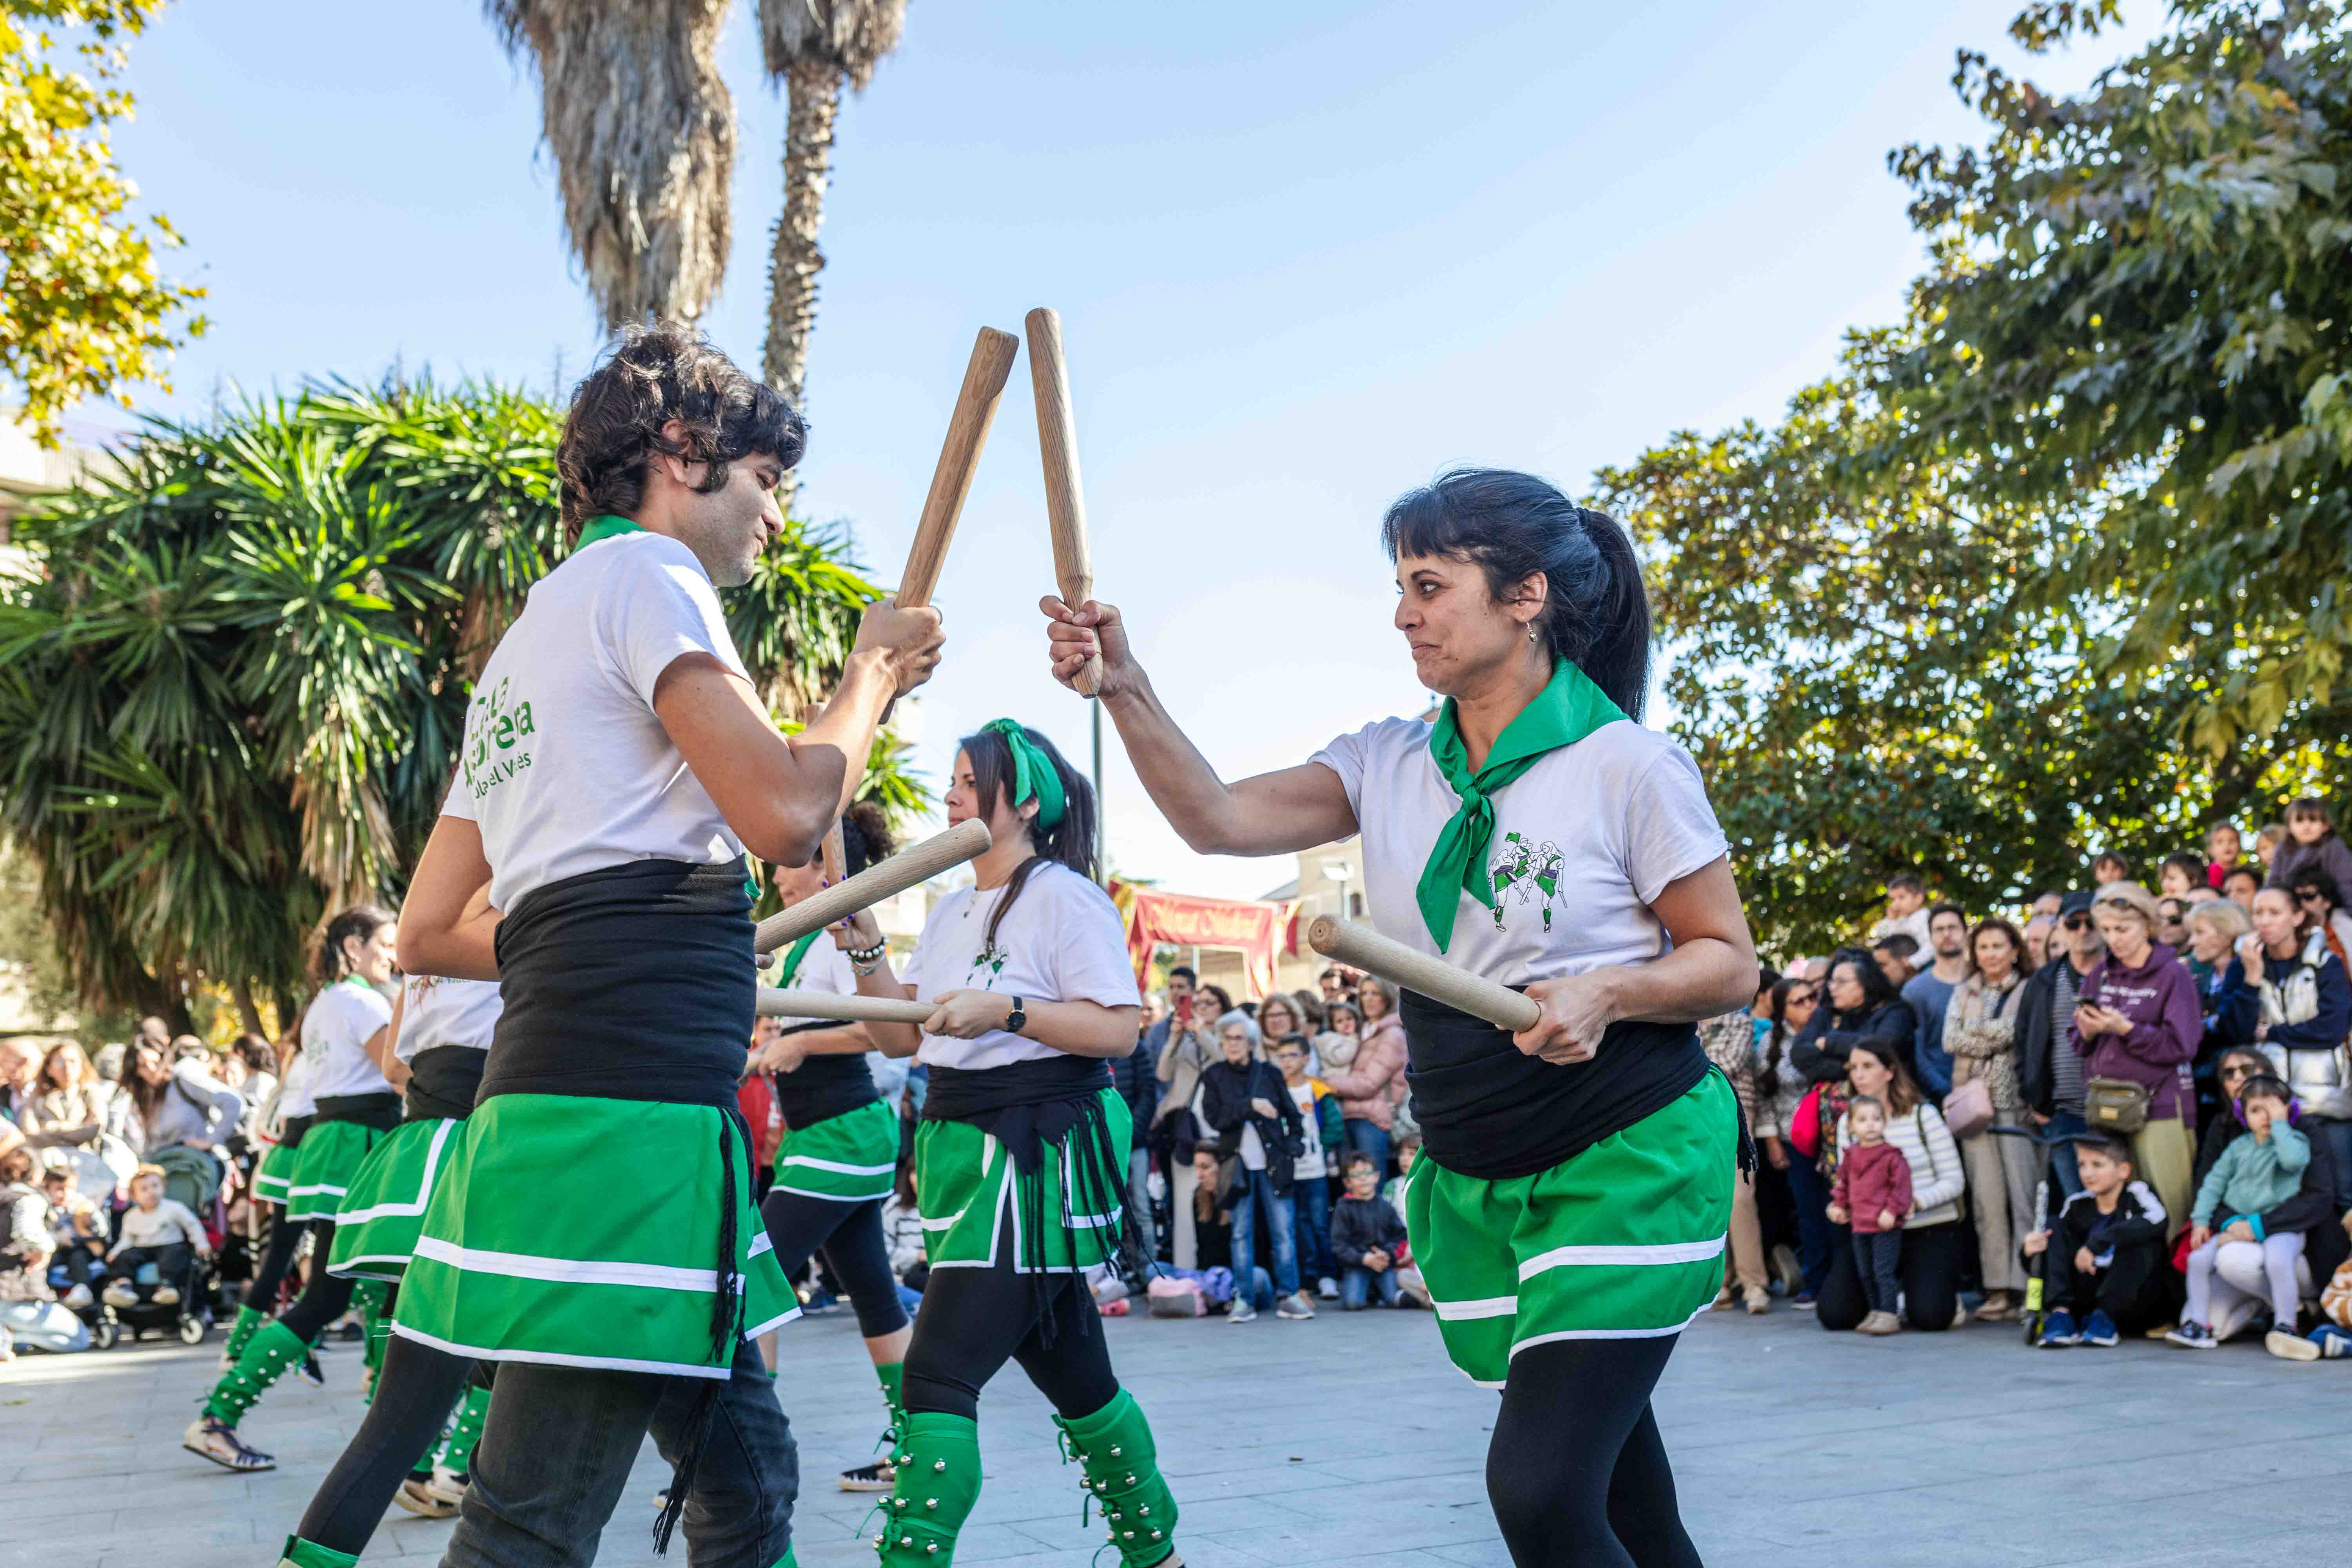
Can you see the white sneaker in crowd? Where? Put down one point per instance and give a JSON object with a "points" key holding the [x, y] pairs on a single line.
{"points": [[1242, 1312], [1295, 1306], [1327, 1288], [79, 1295], [118, 1293]]}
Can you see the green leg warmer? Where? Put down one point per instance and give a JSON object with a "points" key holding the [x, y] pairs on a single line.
{"points": [[274, 1349], [892, 1376], [240, 1334], [938, 1480], [457, 1448], [1114, 1447], [369, 1297], [300, 1553]]}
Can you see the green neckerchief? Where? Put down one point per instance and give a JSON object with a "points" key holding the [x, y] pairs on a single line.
{"points": [[604, 528], [1033, 773], [786, 971], [1567, 710]]}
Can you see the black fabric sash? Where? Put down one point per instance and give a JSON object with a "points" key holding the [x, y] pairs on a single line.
{"points": [[443, 1081], [823, 1088], [380, 1112], [291, 1131], [1487, 1111], [631, 981]]}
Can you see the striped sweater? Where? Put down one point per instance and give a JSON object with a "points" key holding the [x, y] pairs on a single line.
{"points": [[1936, 1177]]}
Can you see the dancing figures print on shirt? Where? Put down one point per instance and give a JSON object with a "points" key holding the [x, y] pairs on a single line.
{"points": [[495, 736], [1529, 869]]}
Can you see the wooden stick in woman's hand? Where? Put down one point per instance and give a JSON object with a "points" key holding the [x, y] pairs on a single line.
{"points": [[1066, 499], [850, 1008], [910, 867], [1367, 950]]}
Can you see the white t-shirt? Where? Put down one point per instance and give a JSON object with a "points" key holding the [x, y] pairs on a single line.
{"points": [[1061, 942], [335, 1033], [1608, 822], [566, 769], [1310, 1157], [294, 1097], [436, 1011]]}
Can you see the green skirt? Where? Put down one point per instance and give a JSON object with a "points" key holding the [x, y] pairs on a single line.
{"points": [[1624, 1241], [846, 1159], [384, 1207], [573, 1231], [277, 1168], [331, 1155], [974, 1198]]}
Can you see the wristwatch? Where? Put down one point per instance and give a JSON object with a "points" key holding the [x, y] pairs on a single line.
{"points": [[1016, 1020]]}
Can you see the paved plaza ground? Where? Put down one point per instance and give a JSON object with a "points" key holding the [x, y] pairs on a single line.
{"points": [[1349, 1439]]}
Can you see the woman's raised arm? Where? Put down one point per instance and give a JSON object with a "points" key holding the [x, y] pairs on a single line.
{"points": [[1271, 813]]}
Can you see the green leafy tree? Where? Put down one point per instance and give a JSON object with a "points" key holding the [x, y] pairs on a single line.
{"points": [[82, 311], [235, 696], [2137, 325]]}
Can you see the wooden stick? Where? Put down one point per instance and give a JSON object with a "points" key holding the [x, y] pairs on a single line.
{"points": [[1367, 948], [903, 870], [852, 1008], [1065, 501], [975, 410], [835, 855]]}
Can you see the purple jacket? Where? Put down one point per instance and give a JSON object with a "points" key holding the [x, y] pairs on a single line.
{"points": [[2159, 997]]}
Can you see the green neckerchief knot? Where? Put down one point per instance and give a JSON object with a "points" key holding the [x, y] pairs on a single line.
{"points": [[604, 528], [1567, 710], [1033, 773]]}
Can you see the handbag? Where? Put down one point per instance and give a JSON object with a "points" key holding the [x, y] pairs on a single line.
{"points": [[1805, 1123], [1967, 1110], [2116, 1105]]}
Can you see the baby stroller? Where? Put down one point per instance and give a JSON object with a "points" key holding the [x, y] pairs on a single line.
{"points": [[189, 1317]]}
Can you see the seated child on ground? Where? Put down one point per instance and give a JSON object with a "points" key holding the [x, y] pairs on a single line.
{"points": [[2261, 1168], [155, 1229], [2103, 1273], [1871, 1195], [80, 1231], [1367, 1236]]}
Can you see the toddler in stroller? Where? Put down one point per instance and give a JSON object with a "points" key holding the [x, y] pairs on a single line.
{"points": [[162, 1232]]}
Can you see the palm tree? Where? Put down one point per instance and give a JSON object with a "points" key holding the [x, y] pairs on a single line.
{"points": [[813, 47], [232, 693], [642, 130]]}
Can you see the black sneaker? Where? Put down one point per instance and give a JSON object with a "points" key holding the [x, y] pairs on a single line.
{"points": [[878, 1477], [312, 1372]]}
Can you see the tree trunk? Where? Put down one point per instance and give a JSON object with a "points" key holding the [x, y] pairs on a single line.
{"points": [[248, 1012], [813, 92]]}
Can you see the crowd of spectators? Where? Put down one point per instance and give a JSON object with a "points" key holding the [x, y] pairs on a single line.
{"points": [[2122, 1111]]}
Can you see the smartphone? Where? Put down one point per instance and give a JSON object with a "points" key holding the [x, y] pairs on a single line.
{"points": [[1184, 1009]]}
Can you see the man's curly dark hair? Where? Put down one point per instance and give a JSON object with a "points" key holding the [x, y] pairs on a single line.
{"points": [[650, 375]]}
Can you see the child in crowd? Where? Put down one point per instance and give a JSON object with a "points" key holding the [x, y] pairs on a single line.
{"points": [[2267, 842], [1408, 1149], [80, 1231], [2262, 1168], [2223, 850], [1310, 1189], [2106, 1255], [1367, 1236], [157, 1230], [1870, 1194], [2109, 867]]}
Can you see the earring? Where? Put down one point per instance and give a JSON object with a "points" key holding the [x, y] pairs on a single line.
{"points": [[1531, 634]]}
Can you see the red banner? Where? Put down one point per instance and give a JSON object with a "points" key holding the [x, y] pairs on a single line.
{"points": [[1258, 930]]}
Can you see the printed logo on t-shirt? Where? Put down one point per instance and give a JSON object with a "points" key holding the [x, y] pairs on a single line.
{"points": [[497, 729], [990, 958], [1528, 869]]}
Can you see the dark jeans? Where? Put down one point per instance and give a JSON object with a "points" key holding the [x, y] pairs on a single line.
{"points": [[2134, 1291], [1311, 1207], [171, 1263], [1357, 1283], [1928, 1269], [1370, 1138], [556, 1451], [1809, 1190], [2339, 1147], [1254, 1195], [1874, 1256], [2061, 1155]]}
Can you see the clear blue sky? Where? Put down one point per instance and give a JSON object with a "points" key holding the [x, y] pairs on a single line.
{"points": [[1304, 262]]}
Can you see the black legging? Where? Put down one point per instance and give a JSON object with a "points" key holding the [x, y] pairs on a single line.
{"points": [[850, 1236], [1576, 1470], [326, 1296], [972, 1320], [416, 1389], [276, 1262], [1928, 1271]]}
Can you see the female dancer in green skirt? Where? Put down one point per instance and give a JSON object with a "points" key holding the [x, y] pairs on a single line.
{"points": [[1022, 1156], [593, 1229], [353, 1106], [1570, 1205]]}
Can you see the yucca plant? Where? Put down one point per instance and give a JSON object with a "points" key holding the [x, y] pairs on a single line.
{"points": [[233, 694]]}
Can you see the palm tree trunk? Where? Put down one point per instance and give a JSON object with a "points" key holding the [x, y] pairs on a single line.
{"points": [[249, 1013], [812, 91]]}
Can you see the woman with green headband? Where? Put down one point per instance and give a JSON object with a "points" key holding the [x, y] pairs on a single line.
{"points": [[1022, 1156], [1570, 1203]]}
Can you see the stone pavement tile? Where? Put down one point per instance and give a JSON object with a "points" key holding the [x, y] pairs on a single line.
{"points": [[1333, 1540]]}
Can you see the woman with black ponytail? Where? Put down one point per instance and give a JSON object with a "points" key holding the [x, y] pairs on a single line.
{"points": [[1569, 1206], [344, 1034], [1020, 1160]]}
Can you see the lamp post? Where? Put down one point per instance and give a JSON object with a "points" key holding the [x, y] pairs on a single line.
{"points": [[1342, 872]]}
